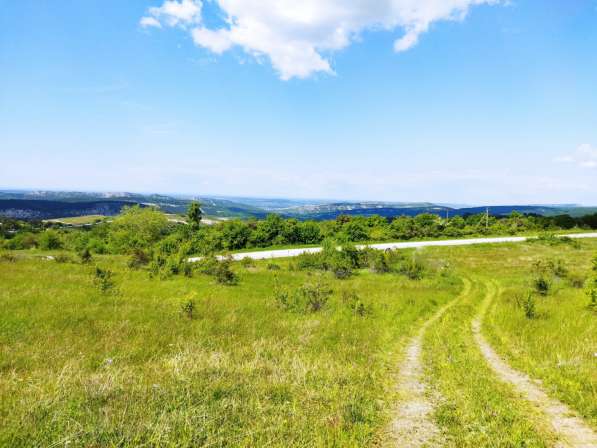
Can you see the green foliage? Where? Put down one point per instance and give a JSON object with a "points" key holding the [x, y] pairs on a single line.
{"points": [[247, 262], [103, 280], [528, 305], [309, 298], [7, 257], [413, 268], [273, 266], [137, 228], [380, 264], [49, 240], [187, 309], [194, 214], [542, 285], [352, 300], [63, 258], [85, 256], [224, 274], [138, 259]]}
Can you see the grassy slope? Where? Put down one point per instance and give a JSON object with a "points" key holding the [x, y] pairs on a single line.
{"points": [[128, 370], [559, 347]]}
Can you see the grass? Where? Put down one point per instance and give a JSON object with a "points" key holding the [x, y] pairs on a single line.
{"points": [[559, 346], [79, 220], [129, 369], [132, 368]]}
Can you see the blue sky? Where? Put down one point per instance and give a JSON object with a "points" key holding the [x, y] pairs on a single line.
{"points": [[470, 102]]}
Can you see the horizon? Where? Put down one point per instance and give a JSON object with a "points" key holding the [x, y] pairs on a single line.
{"points": [[335, 100], [197, 196]]}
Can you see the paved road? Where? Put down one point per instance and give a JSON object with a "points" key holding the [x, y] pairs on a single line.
{"points": [[285, 253]]}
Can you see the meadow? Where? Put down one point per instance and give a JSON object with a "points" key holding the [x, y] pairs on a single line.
{"points": [[135, 360]]}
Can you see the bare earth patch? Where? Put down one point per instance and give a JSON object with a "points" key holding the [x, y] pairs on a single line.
{"points": [[573, 431], [412, 425]]}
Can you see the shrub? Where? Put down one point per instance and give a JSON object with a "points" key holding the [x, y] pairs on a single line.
{"points": [[576, 279], [49, 240], [310, 297], [542, 285], [103, 280], [354, 303], [414, 269], [137, 259], [63, 258], [273, 267], [528, 305], [380, 263], [187, 308], [247, 263], [224, 274], [315, 296], [85, 256], [7, 257]]}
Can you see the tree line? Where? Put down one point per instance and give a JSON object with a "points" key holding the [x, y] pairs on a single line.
{"points": [[148, 229]]}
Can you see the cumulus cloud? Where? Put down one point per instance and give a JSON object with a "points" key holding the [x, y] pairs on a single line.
{"points": [[585, 156], [147, 22], [173, 13], [299, 36]]}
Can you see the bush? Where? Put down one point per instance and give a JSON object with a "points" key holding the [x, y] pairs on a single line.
{"points": [[7, 257], [63, 258], [85, 256], [273, 267], [528, 305], [542, 285], [414, 269], [247, 263], [188, 309], [137, 259], [354, 303], [380, 264], [224, 274], [49, 240], [576, 279], [311, 297], [103, 280]]}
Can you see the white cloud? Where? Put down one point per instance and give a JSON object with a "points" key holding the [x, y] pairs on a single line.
{"points": [[298, 36], [147, 22], [217, 41], [173, 13], [585, 156]]}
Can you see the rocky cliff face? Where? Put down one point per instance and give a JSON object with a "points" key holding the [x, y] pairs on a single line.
{"points": [[31, 209]]}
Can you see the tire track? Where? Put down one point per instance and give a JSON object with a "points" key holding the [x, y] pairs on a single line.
{"points": [[573, 431], [412, 425]]}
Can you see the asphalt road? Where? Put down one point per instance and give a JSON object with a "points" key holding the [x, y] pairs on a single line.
{"points": [[285, 253]]}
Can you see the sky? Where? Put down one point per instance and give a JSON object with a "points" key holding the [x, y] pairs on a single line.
{"points": [[452, 101]]}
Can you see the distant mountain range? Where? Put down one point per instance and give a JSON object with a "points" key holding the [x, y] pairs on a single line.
{"points": [[58, 204]]}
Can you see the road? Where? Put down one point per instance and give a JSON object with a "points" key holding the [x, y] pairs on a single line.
{"points": [[286, 253]]}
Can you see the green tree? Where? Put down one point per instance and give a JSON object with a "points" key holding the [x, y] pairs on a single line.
{"points": [[137, 228], [49, 240], [194, 214]]}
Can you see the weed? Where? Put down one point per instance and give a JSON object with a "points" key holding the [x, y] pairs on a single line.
{"points": [[7, 257], [273, 266], [542, 285], [247, 262], [85, 256], [138, 259], [352, 300], [103, 280], [187, 309], [224, 274]]}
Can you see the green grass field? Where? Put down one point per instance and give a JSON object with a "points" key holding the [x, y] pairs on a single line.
{"points": [[79, 367], [79, 220]]}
